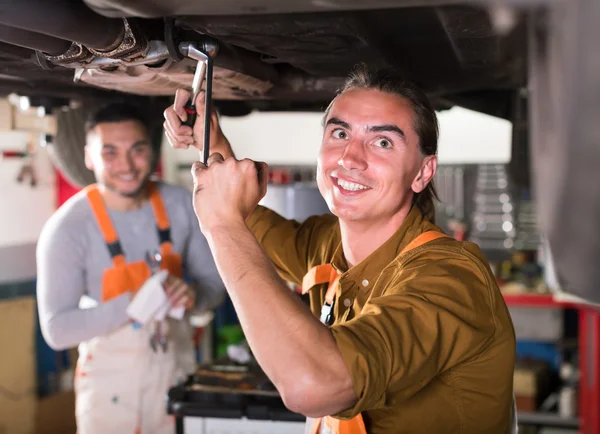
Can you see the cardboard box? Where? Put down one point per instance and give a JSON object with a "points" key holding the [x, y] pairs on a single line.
{"points": [[533, 381], [18, 386], [56, 414]]}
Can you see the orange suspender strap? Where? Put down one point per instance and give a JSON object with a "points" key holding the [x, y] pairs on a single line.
{"points": [[319, 274], [325, 273], [108, 230], [106, 226], [322, 274], [355, 425], [424, 238], [162, 220]]}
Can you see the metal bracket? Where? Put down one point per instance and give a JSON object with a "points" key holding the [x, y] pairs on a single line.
{"points": [[42, 61], [156, 51], [75, 53], [172, 39], [133, 43]]}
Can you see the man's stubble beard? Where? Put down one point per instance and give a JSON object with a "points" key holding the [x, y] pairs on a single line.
{"points": [[136, 194]]}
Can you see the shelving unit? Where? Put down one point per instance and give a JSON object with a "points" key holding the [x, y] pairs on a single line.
{"points": [[548, 419], [589, 365]]}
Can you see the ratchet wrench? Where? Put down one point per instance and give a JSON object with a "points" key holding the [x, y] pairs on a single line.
{"points": [[204, 72]]}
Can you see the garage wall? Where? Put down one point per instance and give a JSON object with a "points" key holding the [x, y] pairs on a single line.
{"points": [[468, 137], [23, 209]]}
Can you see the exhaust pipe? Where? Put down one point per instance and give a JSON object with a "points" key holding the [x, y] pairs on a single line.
{"points": [[72, 21], [34, 41]]}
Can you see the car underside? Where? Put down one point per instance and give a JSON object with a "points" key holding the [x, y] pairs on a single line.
{"points": [[533, 62], [461, 54]]}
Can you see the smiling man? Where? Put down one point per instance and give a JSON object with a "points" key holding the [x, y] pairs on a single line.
{"points": [[93, 255], [409, 332]]}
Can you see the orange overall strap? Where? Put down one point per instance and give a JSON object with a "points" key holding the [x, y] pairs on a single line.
{"points": [[424, 238], [106, 226], [356, 425], [325, 273], [162, 220], [319, 274]]}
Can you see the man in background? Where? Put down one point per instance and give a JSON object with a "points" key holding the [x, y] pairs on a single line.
{"points": [[96, 252]]}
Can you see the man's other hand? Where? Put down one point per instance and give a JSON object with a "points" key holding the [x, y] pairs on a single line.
{"points": [[181, 136], [179, 292]]}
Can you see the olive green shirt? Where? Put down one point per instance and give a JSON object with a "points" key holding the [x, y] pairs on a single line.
{"points": [[426, 335]]}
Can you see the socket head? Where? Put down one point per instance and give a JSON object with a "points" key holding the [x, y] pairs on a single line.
{"points": [[201, 51]]}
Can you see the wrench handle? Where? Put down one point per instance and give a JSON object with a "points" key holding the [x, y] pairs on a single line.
{"points": [[207, 108], [190, 109]]}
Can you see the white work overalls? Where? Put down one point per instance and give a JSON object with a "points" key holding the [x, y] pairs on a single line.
{"points": [[121, 382]]}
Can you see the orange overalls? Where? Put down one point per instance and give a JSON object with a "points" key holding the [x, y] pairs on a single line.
{"points": [[120, 381], [323, 274], [127, 277]]}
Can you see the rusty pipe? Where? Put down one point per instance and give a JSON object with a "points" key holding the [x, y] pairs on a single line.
{"points": [[72, 21], [33, 41]]}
